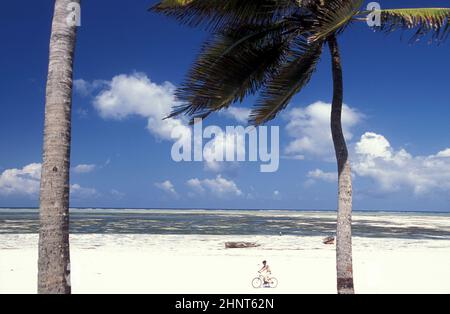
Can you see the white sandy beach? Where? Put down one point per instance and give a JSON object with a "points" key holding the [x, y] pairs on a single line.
{"points": [[201, 264]]}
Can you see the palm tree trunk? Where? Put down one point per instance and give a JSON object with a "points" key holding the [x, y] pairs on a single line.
{"points": [[54, 258], [344, 218]]}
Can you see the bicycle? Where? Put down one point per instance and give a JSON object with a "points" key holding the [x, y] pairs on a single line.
{"points": [[258, 282]]}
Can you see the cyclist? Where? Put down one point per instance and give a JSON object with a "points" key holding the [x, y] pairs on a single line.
{"points": [[265, 271]]}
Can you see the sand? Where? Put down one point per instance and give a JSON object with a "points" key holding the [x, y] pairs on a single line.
{"points": [[201, 264]]}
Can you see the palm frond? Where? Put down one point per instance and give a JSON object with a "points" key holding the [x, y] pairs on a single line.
{"points": [[219, 13], [333, 17], [293, 76], [424, 21], [233, 64], [170, 4]]}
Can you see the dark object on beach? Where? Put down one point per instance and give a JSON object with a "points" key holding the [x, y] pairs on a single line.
{"points": [[240, 245], [328, 240]]}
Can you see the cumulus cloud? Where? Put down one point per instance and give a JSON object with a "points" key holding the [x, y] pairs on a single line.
{"points": [[309, 129], [444, 153], [167, 187], [323, 176], [237, 113], [215, 150], [26, 181], [83, 168], [218, 187], [397, 169], [23, 181], [136, 94], [78, 191], [374, 145], [196, 185]]}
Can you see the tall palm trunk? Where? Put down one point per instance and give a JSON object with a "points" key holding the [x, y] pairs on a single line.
{"points": [[344, 218], [54, 258]]}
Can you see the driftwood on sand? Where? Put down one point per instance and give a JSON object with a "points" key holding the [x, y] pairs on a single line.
{"points": [[240, 245]]}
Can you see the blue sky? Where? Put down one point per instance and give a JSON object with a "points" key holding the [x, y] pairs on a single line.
{"points": [[397, 118]]}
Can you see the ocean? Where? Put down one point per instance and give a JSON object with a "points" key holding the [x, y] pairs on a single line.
{"points": [[402, 225]]}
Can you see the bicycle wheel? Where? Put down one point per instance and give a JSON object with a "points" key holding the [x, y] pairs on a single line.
{"points": [[273, 282], [257, 282]]}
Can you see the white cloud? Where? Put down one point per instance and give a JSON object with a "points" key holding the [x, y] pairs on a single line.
{"points": [[81, 87], [219, 187], [323, 176], [83, 168], [23, 181], [374, 145], [136, 94], [26, 181], [214, 152], [196, 185], [167, 187], [85, 88], [310, 129], [444, 153], [294, 157], [238, 113], [78, 191], [397, 169]]}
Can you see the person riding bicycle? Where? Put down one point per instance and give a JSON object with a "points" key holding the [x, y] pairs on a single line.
{"points": [[265, 272]]}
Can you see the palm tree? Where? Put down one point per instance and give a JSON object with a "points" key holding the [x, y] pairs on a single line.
{"points": [[272, 47], [54, 258]]}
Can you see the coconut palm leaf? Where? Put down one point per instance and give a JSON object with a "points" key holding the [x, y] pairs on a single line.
{"points": [[167, 4], [434, 21], [230, 68], [293, 76], [333, 17], [218, 13]]}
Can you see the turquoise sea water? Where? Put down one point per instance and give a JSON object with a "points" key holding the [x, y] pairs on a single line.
{"points": [[234, 222]]}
